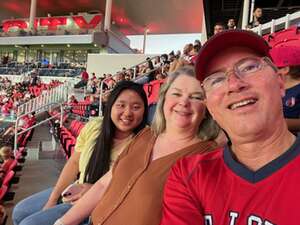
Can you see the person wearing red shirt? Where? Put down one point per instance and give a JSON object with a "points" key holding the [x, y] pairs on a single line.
{"points": [[84, 75], [255, 180], [84, 79], [6, 156]]}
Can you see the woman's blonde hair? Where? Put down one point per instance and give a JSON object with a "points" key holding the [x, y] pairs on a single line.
{"points": [[208, 129], [5, 152]]}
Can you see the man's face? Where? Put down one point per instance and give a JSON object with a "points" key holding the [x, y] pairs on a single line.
{"points": [[231, 23], [245, 107], [218, 29]]}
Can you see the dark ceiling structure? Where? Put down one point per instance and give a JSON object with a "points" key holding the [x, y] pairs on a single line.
{"points": [[130, 16]]}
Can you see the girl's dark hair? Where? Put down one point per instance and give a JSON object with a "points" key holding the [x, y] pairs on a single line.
{"points": [[100, 159], [150, 64], [295, 72]]}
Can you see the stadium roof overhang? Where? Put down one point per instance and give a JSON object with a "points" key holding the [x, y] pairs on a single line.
{"points": [[131, 17]]}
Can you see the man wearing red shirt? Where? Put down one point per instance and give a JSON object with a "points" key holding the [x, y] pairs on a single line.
{"points": [[84, 75], [256, 179], [84, 79]]}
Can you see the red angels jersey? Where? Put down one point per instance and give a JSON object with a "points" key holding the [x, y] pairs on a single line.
{"points": [[215, 189]]}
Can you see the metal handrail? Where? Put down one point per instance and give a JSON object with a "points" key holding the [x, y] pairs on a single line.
{"points": [[133, 67], [56, 96], [146, 74], [103, 81], [30, 128]]}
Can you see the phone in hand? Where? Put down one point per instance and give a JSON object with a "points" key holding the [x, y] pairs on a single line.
{"points": [[72, 189]]}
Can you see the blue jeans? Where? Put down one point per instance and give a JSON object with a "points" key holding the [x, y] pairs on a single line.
{"points": [[29, 210]]}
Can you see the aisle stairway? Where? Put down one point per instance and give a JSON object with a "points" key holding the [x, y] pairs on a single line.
{"points": [[32, 176]]}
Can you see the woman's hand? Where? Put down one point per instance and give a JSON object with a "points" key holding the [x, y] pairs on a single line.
{"points": [[50, 204], [76, 192]]}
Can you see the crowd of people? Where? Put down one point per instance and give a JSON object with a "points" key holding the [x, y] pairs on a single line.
{"points": [[9, 66], [152, 69], [157, 68], [14, 94], [257, 19], [222, 147]]}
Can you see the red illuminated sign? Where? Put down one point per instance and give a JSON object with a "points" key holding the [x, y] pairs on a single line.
{"points": [[82, 24], [52, 23]]}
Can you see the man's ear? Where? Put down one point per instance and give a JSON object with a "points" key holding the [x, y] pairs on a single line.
{"points": [[281, 79], [284, 70]]}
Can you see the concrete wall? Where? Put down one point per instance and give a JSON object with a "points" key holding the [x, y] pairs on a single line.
{"points": [[112, 63]]}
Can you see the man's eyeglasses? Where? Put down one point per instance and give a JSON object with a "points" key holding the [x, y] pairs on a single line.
{"points": [[244, 68]]}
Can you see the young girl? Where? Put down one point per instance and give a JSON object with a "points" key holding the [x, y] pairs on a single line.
{"points": [[98, 146]]}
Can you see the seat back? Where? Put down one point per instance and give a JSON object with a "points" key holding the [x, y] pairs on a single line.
{"points": [[8, 178]]}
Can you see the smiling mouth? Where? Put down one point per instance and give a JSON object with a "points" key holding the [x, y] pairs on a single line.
{"points": [[242, 103], [183, 113], [126, 121]]}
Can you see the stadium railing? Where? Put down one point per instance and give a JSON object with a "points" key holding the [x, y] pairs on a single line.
{"points": [[55, 72], [47, 100], [278, 24]]}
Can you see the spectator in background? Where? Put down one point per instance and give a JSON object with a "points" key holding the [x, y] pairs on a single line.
{"points": [[194, 54], [231, 24], [137, 70], [159, 76], [186, 51], [219, 27], [110, 82], [197, 42], [287, 59], [149, 70], [164, 59], [185, 58], [5, 59], [34, 77], [84, 75], [119, 77], [248, 27], [127, 77], [72, 99], [104, 86], [257, 17], [157, 62], [84, 79], [174, 61], [92, 86], [178, 54], [94, 76], [6, 156]]}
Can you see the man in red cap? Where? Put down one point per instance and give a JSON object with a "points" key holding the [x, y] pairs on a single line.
{"points": [[256, 179], [287, 59]]}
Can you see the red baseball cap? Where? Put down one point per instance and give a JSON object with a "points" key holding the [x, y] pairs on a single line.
{"points": [[286, 56], [227, 39]]}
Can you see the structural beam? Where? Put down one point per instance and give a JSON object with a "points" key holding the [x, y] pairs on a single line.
{"points": [[107, 19], [245, 13], [32, 15]]}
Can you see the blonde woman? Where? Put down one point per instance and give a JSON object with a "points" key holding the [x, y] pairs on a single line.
{"points": [[132, 193]]}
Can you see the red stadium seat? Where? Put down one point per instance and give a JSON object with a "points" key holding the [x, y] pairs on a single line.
{"points": [[3, 191], [13, 165], [287, 37], [152, 90], [8, 177]]}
